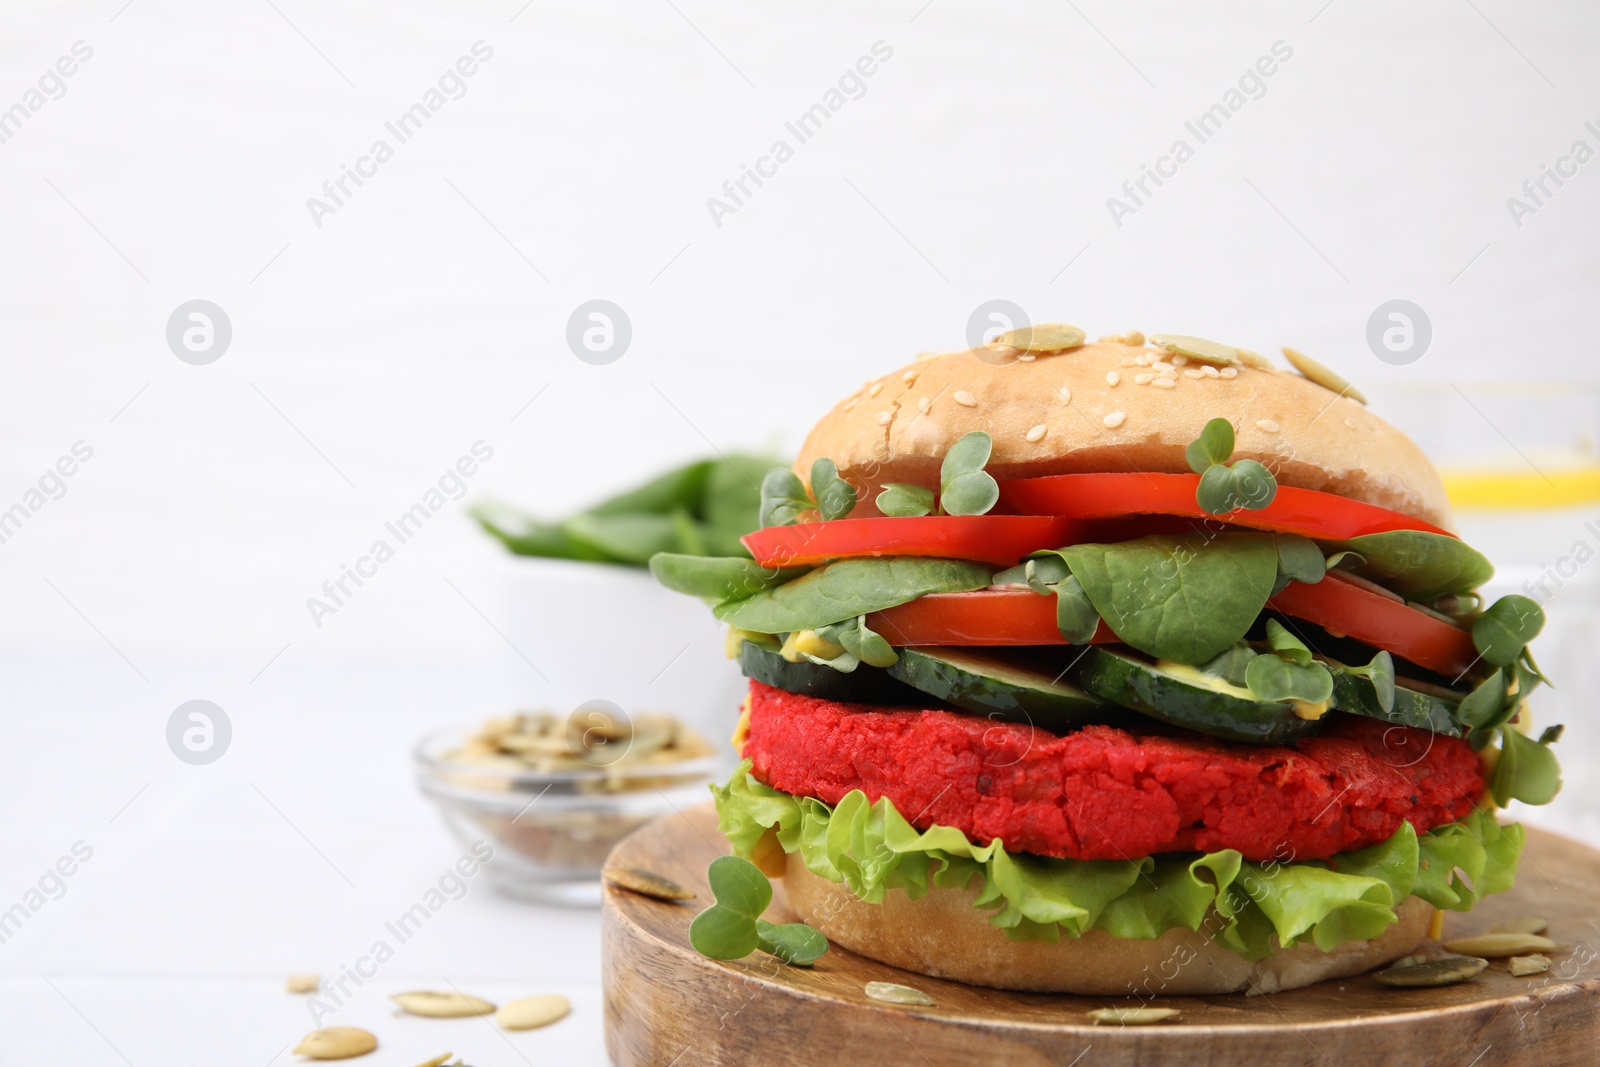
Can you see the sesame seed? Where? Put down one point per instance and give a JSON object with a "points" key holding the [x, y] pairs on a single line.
{"points": [[1135, 337], [1165, 383], [1162, 365], [1267, 424], [1127, 361], [1167, 372], [1350, 424], [1179, 360], [1065, 394], [1115, 419], [923, 404], [1192, 373], [1038, 432], [1229, 372], [1210, 372], [965, 399], [877, 387], [1027, 357], [1112, 378], [884, 417], [1144, 379], [1143, 359], [909, 376]]}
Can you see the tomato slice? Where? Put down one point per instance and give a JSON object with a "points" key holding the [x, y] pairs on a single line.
{"points": [[1340, 606], [981, 617], [1324, 516], [1023, 617], [999, 539]]}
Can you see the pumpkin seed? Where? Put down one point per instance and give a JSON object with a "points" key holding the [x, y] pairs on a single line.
{"points": [[1254, 359], [1047, 337], [1522, 966], [437, 1061], [1499, 946], [646, 883], [1324, 377], [335, 1043], [1132, 1016], [442, 1005], [895, 993], [1197, 348], [302, 983], [532, 1012], [1522, 924], [1447, 971]]}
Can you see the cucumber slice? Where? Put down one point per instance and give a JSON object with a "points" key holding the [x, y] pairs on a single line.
{"points": [[989, 684], [1201, 703], [1411, 707], [864, 685]]}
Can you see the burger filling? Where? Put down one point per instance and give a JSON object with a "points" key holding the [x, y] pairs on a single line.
{"points": [[1127, 702]]}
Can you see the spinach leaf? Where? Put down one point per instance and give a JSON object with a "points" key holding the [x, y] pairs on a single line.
{"points": [[965, 488], [731, 504], [1527, 770], [703, 507], [836, 497], [727, 929], [1485, 704], [681, 488], [1213, 446], [732, 928], [1246, 484], [1274, 678], [1505, 628], [627, 538], [848, 588], [794, 943], [903, 500], [1379, 672], [1417, 564], [1299, 560], [1184, 598], [1287, 645], [860, 643], [1230, 664], [717, 578], [783, 498]]}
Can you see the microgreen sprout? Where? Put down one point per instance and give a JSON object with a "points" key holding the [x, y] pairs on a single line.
{"points": [[1224, 487]]}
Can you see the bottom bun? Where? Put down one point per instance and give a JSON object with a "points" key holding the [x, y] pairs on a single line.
{"points": [[943, 935]]}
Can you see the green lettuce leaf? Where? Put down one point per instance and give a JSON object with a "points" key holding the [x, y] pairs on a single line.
{"points": [[1242, 905]]}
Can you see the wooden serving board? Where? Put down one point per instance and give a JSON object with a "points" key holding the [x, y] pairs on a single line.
{"points": [[667, 1005]]}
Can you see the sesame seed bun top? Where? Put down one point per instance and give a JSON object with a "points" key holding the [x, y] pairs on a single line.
{"points": [[1089, 409]]}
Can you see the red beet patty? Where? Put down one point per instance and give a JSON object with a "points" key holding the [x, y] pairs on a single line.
{"points": [[1105, 793]]}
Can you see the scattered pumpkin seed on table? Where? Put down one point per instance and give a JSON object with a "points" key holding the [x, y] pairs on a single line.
{"points": [[437, 1061], [1522, 924], [336, 1043], [895, 993], [442, 1005], [1522, 966], [529, 1013], [646, 883], [302, 983], [1499, 946], [1132, 1016], [1447, 971]]}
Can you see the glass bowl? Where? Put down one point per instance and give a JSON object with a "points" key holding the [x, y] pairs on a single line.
{"points": [[551, 830]]}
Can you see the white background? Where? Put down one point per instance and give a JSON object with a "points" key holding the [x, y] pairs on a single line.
{"points": [[424, 315]]}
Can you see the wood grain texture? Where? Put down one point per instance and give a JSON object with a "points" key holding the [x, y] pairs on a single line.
{"points": [[666, 1004]]}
